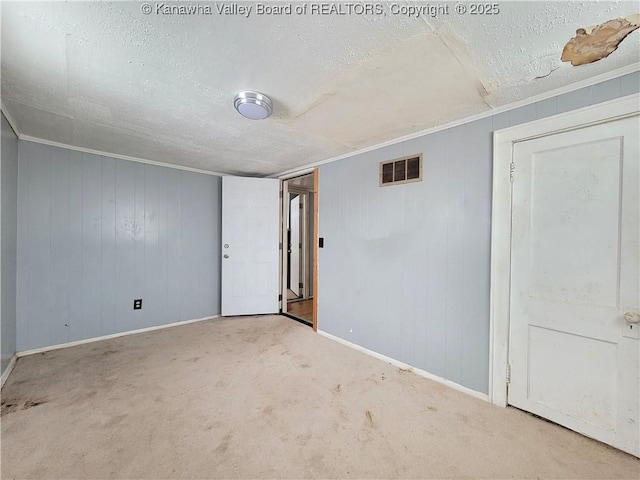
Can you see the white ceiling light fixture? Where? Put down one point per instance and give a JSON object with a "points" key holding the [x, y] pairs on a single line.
{"points": [[253, 105]]}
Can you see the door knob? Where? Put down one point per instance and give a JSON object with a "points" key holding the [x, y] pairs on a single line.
{"points": [[226, 256], [632, 317]]}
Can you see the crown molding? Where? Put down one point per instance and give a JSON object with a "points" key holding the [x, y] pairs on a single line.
{"points": [[10, 119], [29, 138], [43, 141]]}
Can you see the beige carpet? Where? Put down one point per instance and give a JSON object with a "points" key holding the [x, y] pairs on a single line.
{"points": [[265, 397]]}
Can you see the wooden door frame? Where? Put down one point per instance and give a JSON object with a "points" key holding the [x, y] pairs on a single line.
{"points": [[503, 169]]}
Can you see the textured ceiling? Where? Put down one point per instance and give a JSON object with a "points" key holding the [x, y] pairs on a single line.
{"points": [[104, 76]]}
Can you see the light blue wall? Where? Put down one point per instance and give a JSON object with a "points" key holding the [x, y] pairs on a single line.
{"points": [[8, 214], [95, 232], [405, 269]]}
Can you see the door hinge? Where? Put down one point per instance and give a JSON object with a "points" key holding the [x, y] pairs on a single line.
{"points": [[280, 246], [280, 297], [512, 169], [281, 193], [508, 373], [301, 285]]}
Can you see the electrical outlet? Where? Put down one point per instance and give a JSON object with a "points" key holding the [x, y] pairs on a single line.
{"points": [[137, 304]]}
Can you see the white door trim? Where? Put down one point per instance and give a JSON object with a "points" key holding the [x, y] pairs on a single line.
{"points": [[503, 141]]}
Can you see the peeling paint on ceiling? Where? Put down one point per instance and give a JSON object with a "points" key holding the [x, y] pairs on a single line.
{"points": [[597, 42], [104, 76]]}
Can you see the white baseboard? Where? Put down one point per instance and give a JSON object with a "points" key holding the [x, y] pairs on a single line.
{"points": [[9, 369], [406, 366], [107, 337]]}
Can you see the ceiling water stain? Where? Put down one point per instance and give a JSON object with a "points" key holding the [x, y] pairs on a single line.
{"points": [[459, 50], [417, 83]]}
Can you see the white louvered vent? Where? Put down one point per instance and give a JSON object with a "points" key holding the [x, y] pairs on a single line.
{"points": [[401, 170]]}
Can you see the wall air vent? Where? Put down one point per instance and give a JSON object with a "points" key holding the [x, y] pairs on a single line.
{"points": [[401, 170]]}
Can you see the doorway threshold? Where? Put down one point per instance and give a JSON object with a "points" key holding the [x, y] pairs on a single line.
{"points": [[297, 319]]}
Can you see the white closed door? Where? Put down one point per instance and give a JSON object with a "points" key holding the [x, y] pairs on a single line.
{"points": [[575, 281], [250, 245]]}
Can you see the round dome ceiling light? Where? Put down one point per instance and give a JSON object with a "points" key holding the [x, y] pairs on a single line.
{"points": [[253, 105]]}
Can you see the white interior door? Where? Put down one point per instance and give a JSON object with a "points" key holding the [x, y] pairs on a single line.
{"points": [[250, 245], [294, 232], [574, 275]]}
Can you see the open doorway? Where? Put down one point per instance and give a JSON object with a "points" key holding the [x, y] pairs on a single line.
{"points": [[299, 207]]}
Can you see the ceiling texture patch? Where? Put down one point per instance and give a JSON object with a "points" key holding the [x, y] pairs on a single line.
{"points": [[118, 78]]}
